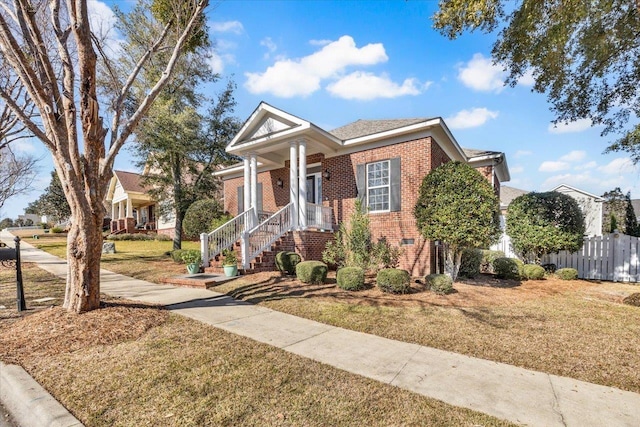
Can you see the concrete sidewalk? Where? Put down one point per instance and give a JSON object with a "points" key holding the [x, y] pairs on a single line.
{"points": [[504, 391]]}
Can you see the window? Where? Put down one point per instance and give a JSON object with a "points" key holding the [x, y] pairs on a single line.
{"points": [[378, 186]]}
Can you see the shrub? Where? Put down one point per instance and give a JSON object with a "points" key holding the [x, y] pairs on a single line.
{"points": [[394, 280], [191, 256], [385, 255], [633, 299], [286, 262], [549, 268], [199, 216], [312, 272], [176, 255], [470, 264], [567, 274], [507, 268], [350, 278], [219, 222], [488, 256], [439, 283], [533, 272], [134, 237], [57, 230], [229, 257]]}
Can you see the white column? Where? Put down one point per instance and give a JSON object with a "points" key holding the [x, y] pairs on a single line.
{"points": [[129, 208], [247, 184], [293, 182], [113, 211], [254, 183], [302, 185], [120, 209]]}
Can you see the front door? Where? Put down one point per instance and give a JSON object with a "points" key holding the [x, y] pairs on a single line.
{"points": [[314, 188]]}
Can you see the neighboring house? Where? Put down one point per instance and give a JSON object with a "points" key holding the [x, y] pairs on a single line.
{"points": [[507, 194], [132, 209], [591, 206], [311, 179], [636, 207], [32, 219]]}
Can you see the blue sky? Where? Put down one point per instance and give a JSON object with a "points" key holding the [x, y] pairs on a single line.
{"points": [[335, 62]]}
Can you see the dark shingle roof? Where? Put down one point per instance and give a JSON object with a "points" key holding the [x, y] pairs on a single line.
{"points": [[130, 181], [369, 127]]}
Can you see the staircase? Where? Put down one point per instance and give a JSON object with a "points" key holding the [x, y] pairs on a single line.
{"points": [[266, 261]]}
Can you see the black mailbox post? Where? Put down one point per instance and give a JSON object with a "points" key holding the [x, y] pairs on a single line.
{"points": [[10, 257]]}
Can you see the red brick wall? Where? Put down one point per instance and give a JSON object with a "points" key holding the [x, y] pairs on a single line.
{"points": [[340, 192]]}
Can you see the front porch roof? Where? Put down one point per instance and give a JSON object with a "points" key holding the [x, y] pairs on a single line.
{"points": [[268, 132]]}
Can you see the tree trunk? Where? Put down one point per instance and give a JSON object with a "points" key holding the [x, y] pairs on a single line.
{"points": [[177, 234], [84, 250], [452, 261]]}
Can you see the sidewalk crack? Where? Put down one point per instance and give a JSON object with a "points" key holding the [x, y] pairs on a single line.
{"points": [[405, 364], [556, 404]]}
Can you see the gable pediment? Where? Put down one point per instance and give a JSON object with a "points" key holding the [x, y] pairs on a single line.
{"points": [[269, 125]]}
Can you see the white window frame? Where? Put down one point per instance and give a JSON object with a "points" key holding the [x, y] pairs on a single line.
{"points": [[388, 185]]}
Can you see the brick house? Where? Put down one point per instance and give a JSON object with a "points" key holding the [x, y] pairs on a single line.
{"points": [[310, 178]]}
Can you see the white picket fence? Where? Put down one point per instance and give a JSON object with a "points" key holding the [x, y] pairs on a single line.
{"points": [[614, 257]]}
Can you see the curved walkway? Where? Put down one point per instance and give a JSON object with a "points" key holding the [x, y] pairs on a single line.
{"points": [[504, 391]]}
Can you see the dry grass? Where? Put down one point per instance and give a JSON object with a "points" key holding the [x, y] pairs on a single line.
{"points": [[577, 329], [130, 364]]}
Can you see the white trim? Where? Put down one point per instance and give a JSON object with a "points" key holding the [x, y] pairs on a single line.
{"points": [[388, 186], [597, 198]]}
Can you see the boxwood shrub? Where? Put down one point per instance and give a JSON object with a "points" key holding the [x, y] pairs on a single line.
{"points": [[312, 272], [567, 274], [488, 256], [439, 283], [394, 280], [350, 278], [533, 272], [470, 264], [508, 268], [286, 262]]}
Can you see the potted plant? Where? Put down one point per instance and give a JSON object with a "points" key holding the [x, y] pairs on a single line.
{"points": [[192, 259], [230, 263]]}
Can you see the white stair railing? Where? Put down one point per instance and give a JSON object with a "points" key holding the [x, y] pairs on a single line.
{"points": [[268, 231], [223, 237], [319, 216]]}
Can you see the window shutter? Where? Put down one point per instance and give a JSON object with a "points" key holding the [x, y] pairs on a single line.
{"points": [[361, 183], [259, 201], [240, 199], [395, 202]]}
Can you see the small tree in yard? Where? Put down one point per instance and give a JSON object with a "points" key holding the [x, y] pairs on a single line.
{"points": [[458, 206], [540, 223]]}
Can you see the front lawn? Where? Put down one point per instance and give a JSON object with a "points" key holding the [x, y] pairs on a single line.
{"points": [[577, 329]]}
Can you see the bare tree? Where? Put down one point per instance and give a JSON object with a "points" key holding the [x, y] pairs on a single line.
{"points": [[16, 174], [50, 47]]}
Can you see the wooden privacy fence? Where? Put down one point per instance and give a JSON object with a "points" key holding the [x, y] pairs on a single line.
{"points": [[614, 257]]}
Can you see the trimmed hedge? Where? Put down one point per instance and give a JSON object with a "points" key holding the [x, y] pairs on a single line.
{"points": [[567, 274], [488, 256], [470, 264], [533, 272], [286, 262], [394, 280], [439, 283], [350, 278], [138, 237], [508, 268], [176, 255], [312, 272]]}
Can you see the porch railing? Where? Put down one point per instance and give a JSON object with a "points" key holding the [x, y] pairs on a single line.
{"points": [[268, 231], [319, 216], [226, 235]]}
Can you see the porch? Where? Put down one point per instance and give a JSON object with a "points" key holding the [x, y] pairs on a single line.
{"points": [[132, 215]]}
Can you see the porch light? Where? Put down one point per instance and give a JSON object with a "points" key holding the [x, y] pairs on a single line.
{"points": [[279, 183], [326, 174]]}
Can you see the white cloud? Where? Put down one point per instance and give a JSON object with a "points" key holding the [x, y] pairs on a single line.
{"points": [[574, 156], [618, 166], [482, 75], [590, 165], [322, 42], [366, 86], [23, 146], [527, 79], [551, 166], [102, 21], [301, 77], [216, 63], [234, 27], [516, 169], [270, 45], [585, 181], [470, 118], [522, 153], [570, 127]]}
